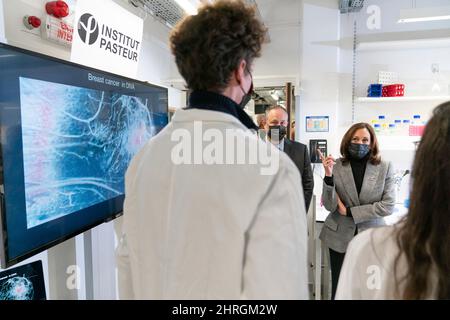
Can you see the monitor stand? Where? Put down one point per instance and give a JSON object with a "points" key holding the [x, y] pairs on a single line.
{"points": [[61, 271], [84, 267], [66, 275]]}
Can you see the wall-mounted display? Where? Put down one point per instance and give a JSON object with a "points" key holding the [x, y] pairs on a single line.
{"points": [[68, 133]]}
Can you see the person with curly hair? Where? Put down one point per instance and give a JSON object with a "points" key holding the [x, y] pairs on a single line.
{"points": [[197, 230]]}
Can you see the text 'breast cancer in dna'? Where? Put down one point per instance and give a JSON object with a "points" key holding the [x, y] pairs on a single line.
{"points": [[77, 144]]}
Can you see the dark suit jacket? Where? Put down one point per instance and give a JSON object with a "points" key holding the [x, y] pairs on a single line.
{"points": [[299, 154]]}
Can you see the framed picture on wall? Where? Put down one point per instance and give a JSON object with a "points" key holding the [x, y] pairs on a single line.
{"points": [[25, 282], [317, 124]]}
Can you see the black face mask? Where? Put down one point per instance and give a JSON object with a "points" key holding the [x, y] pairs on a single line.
{"points": [[247, 96], [358, 151], [277, 133]]}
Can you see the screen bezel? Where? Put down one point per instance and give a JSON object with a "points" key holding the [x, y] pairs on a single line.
{"points": [[5, 261]]}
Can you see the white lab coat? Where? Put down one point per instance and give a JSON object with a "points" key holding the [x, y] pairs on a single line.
{"points": [[211, 231], [368, 269]]}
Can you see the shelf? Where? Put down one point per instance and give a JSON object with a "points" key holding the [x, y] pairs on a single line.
{"points": [[397, 143], [402, 99], [403, 44]]}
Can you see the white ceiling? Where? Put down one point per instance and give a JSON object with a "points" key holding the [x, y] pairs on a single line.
{"points": [[280, 60]]}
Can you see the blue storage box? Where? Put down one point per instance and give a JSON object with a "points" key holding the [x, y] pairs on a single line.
{"points": [[375, 91]]}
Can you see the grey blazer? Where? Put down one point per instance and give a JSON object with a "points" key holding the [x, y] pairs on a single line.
{"points": [[376, 200]]}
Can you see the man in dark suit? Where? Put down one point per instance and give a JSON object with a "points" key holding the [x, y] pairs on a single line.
{"points": [[276, 122]]}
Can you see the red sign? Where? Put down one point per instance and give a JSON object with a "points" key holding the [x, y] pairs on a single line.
{"points": [[59, 31]]}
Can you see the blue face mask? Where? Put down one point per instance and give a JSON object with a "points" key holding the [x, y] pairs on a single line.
{"points": [[358, 151]]}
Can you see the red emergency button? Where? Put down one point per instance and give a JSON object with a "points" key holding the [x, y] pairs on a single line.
{"points": [[31, 22], [34, 21], [58, 9]]}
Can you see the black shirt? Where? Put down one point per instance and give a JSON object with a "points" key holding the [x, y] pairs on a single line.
{"points": [[358, 169]]}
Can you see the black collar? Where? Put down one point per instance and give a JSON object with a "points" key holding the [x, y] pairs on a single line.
{"points": [[207, 100]]}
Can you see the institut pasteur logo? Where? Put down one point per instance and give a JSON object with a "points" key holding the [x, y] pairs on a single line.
{"points": [[88, 28], [107, 38]]}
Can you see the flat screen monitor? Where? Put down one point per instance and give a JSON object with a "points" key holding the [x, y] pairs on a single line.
{"points": [[68, 133], [23, 283]]}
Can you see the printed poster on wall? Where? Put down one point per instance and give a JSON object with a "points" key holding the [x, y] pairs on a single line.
{"points": [[107, 37], [317, 124]]}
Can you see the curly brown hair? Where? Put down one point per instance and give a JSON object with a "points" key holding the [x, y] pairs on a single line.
{"points": [[209, 46], [375, 158]]}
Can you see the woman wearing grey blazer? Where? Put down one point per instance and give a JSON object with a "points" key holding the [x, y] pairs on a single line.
{"points": [[358, 190]]}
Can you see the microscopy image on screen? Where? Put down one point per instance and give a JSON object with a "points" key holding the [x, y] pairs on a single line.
{"points": [[17, 288], [77, 144], [23, 283]]}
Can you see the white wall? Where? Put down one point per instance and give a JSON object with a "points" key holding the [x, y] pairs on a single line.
{"points": [[319, 91], [414, 69], [345, 74], [390, 13], [326, 70], [280, 60], [16, 33], [156, 66], [411, 61], [319, 74], [327, 38], [2, 24]]}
